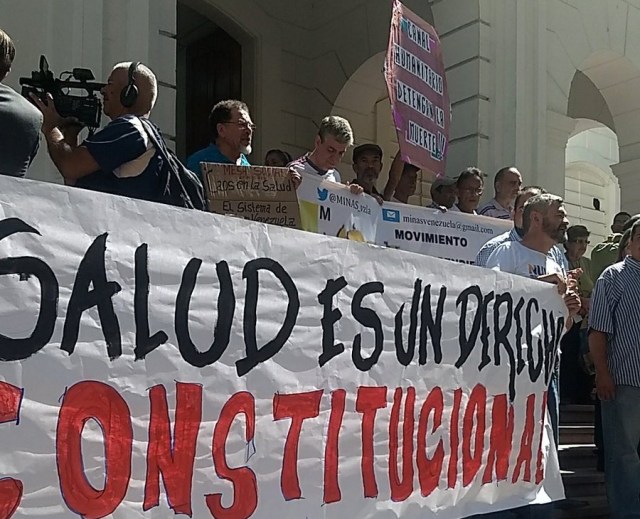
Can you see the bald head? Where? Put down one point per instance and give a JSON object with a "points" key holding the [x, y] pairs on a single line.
{"points": [[144, 81]]}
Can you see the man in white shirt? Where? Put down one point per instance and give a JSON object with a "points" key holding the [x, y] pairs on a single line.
{"points": [[544, 224], [506, 186], [334, 137], [517, 232]]}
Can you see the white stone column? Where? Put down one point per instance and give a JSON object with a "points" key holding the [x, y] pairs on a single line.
{"points": [[551, 175], [144, 31], [628, 174], [461, 32]]}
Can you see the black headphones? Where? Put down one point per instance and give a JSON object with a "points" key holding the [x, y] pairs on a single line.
{"points": [[129, 94]]}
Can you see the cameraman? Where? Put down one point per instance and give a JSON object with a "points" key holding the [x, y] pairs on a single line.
{"points": [[119, 159], [20, 121]]}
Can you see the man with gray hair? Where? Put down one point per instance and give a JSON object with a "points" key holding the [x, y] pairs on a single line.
{"points": [[334, 137], [20, 121], [516, 233], [119, 159], [544, 225]]}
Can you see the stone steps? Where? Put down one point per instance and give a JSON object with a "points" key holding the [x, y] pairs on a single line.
{"points": [[576, 434], [582, 483], [597, 508], [577, 456]]}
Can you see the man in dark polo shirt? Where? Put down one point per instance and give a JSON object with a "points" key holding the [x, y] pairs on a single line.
{"points": [[119, 159]]}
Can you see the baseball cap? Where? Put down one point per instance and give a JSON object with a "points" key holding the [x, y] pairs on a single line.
{"points": [[442, 182], [359, 150]]}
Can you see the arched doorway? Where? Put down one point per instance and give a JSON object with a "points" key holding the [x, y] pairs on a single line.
{"points": [[604, 102], [604, 90], [208, 69], [592, 192]]}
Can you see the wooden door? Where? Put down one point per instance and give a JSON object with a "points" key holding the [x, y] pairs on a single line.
{"points": [[214, 73]]}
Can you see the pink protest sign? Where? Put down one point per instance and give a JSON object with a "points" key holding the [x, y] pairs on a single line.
{"points": [[415, 75]]}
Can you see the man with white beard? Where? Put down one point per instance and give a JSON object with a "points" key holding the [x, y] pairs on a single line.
{"points": [[231, 132]]}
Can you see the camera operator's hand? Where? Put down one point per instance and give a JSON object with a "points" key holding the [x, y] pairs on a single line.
{"points": [[51, 118], [71, 128]]}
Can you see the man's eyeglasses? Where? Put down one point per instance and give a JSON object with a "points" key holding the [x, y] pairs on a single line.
{"points": [[243, 125]]}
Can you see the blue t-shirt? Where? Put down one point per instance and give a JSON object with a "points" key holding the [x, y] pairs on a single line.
{"points": [[211, 154], [129, 164]]}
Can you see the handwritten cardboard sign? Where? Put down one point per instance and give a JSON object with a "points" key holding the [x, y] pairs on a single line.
{"points": [[256, 193]]}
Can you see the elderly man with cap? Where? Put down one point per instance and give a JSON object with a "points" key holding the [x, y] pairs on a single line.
{"points": [[443, 193], [367, 165]]}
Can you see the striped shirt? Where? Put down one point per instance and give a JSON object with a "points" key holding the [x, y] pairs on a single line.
{"points": [[494, 209], [615, 310], [305, 165], [485, 251]]}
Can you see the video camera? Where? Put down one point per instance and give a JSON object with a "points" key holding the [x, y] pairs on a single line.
{"points": [[87, 109]]}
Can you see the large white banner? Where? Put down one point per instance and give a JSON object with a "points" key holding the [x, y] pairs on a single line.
{"points": [[157, 361], [450, 235], [329, 208]]}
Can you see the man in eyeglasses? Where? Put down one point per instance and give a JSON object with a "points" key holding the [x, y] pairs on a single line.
{"points": [[231, 133]]}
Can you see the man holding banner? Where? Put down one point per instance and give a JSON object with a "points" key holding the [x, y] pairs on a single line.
{"points": [[334, 137], [544, 225], [517, 232]]}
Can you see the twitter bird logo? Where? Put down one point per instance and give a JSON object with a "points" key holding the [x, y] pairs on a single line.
{"points": [[322, 194]]}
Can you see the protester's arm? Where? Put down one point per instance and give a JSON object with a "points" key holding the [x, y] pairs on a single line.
{"points": [[598, 348], [572, 302], [555, 279], [296, 178], [601, 324], [395, 174]]}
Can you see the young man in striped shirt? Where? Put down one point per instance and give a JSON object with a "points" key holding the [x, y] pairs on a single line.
{"points": [[614, 342]]}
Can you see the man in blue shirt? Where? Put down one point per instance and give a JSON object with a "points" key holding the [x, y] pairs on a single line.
{"points": [[231, 132], [119, 159], [614, 342]]}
